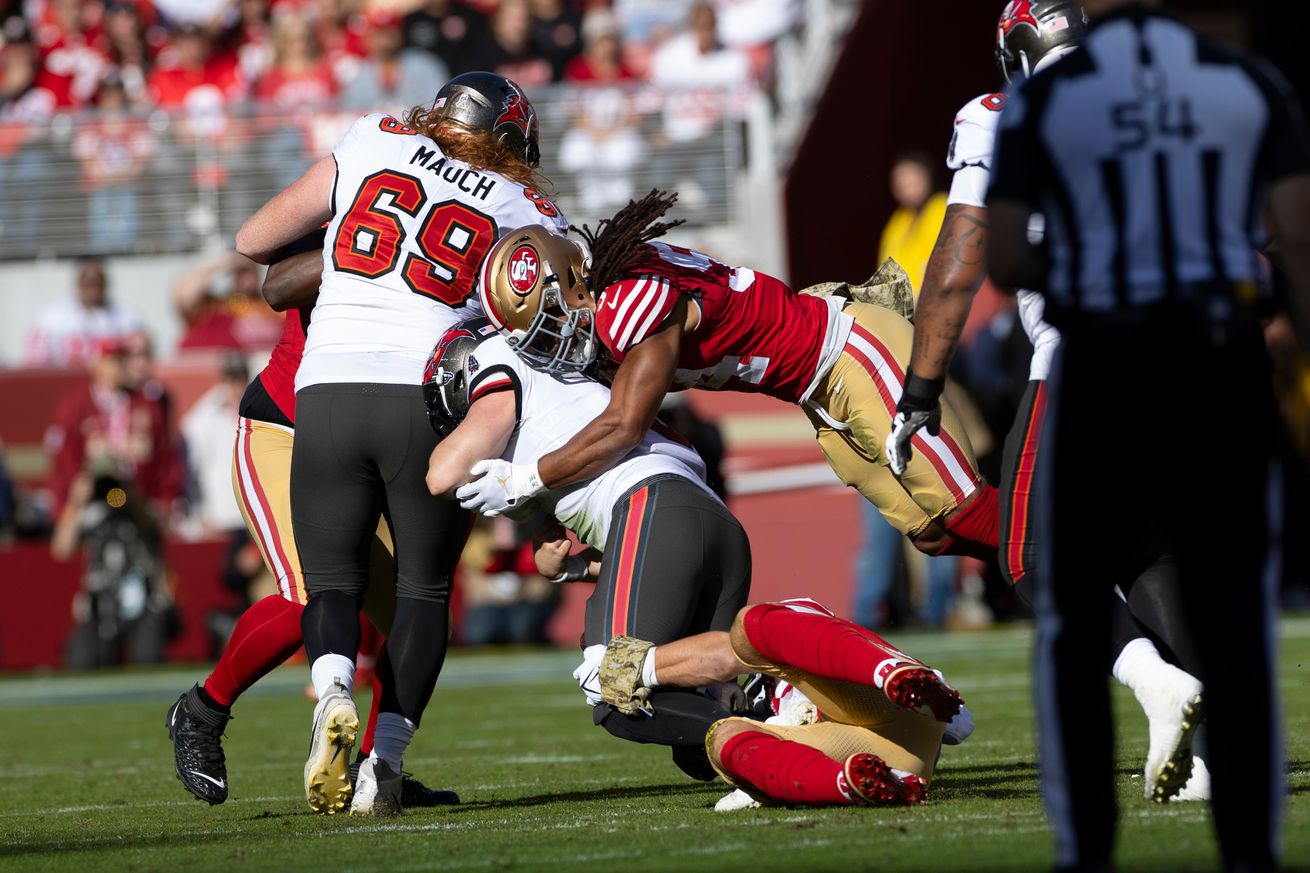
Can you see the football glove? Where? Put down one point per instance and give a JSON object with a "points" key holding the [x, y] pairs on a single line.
{"points": [[919, 408], [500, 486]]}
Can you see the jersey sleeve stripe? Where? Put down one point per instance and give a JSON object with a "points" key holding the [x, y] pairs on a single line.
{"points": [[634, 318], [656, 315], [491, 383], [496, 378], [637, 292]]}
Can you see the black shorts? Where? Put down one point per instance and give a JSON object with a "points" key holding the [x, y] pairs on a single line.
{"points": [[676, 563], [362, 449], [1018, 534]]}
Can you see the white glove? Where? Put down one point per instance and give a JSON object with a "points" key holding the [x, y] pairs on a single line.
{"points": [[588, 673], [904, 426], [501, 486]]}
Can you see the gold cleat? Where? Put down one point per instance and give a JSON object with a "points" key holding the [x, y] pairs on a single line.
{"points": [[327, 772]]}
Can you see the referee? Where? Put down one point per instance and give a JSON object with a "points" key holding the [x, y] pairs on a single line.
{"points": [[1157, 158]]}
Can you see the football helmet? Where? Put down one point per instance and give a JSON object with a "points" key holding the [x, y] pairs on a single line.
{"points": [[533, 288], [446, 377], [486, 101], [1033, 34]]}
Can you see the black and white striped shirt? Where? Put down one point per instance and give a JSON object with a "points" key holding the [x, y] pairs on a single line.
{"points": [[1149, 150]]}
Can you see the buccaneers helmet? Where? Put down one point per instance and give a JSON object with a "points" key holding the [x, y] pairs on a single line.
{"points": [[533, 288], [486, 101], [1033, 34], [446, 377]]}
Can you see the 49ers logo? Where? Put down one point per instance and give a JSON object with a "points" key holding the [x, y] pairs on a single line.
{"points": [[524, 265], [1018, 12]]}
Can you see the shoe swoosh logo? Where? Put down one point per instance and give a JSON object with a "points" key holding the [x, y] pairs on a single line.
{"points": [[221, 783]]}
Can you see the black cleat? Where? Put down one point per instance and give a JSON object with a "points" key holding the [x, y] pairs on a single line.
{"points": [[196, 732], [413, 793]]}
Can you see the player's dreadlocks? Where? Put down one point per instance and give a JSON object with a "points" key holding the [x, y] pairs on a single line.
{"points": [[619, 241]]}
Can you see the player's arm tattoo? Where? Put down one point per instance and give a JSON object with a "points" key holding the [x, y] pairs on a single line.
{"points": [[954, 272]]}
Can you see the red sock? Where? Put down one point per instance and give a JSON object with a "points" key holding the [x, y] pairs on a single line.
{"points": [[266, 635], [366, 742], [976, 530], [784, 770], [820, 644]]}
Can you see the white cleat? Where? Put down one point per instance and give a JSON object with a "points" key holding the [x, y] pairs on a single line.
{"points": [[1198, 786], [327, 772], [1173, 706], [377, 790], [736, 800]]}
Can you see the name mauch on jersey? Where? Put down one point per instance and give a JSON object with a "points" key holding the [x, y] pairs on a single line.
{"points": [[453, 173]]}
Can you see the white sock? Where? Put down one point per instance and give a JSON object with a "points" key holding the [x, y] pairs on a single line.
{"points": [[1138, 656], [391, 738], [648, 669], [330, 668]]}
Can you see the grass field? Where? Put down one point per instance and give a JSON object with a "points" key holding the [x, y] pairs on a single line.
{"points": [[86, 783]]}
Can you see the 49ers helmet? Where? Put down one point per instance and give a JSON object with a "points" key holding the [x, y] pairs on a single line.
{"points": [[533, 288], [1033, 34], [446, 377], [486, 101]]}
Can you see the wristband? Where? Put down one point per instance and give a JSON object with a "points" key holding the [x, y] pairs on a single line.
{"points": [[575, 569], [919, 394]]}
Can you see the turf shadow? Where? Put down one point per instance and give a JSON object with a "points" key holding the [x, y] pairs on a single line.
{"points": [[619, 793]]}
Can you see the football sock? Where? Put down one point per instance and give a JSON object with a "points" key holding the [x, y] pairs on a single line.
{"points": [[1137, 658], [265, 635], [825, 646], [329, 669], [415, 651], [330, 623], [975, 530], [366, 741], [784, 770], [393, 735]]}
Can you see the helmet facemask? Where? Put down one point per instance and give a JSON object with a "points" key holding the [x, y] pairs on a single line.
{"points": [[559, 339]]}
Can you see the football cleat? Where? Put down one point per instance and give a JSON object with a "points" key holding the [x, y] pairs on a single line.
{"points": [[1197, 787], [914, 686], [1169, 762], [327, 772], [736, 800], [872, 783], [196, 732], [413, 793], [377, 790], [959, 728]]}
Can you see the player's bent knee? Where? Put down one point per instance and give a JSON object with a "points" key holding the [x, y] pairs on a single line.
{"points": [[723, 731], [739, 635], [931, 540]]}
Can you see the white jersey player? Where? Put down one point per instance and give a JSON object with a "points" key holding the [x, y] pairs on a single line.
{"points": [[411, 208], [1031, 35], [675, 561]]}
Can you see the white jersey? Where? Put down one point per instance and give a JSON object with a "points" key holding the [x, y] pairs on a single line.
{"points": [[971, 159], [551, 409], [410, 226]]}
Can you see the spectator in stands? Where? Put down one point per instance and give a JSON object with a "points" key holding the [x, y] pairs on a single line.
{"points": [[247, 36], [513, 53], [207, 430], [220, 302], [457, 34], [650, 22], [751, 23], [697, 71], [71, 61], [911, 232], [105, 429], [298, 77], [393, 78], [139, 372], [68, 332], [130, 51], [602, 145], [113, 151], [556, 32], [191, 76], [25, 113]]}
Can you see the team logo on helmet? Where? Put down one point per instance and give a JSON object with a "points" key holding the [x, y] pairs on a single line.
{"points": [[1018, 12], [516, 111], [524, 266]]}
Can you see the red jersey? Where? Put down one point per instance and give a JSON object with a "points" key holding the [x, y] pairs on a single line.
{"points": [[755, 334], [279, 374]]}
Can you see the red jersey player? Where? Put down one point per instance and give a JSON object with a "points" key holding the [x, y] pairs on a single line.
{"points": [[675, 318]]}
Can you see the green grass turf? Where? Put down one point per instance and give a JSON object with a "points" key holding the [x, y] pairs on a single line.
{"points": [[86, 783]]}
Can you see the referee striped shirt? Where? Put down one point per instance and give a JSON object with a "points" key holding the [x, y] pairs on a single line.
{"points": [[1149, 151]]}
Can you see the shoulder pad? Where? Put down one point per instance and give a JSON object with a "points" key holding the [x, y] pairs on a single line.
{"points": [[975, 132]]}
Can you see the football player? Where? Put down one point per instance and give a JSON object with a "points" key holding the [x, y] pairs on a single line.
{"points": [[268, 632], [858, 722], [1032, 35], [674, 318], [411, 207], [676, 562]]}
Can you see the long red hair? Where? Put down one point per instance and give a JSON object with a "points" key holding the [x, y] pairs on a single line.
{"points": [[474, 147]]}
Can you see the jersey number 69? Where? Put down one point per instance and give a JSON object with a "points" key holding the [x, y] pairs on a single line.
{"points": [[453, 238]]}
